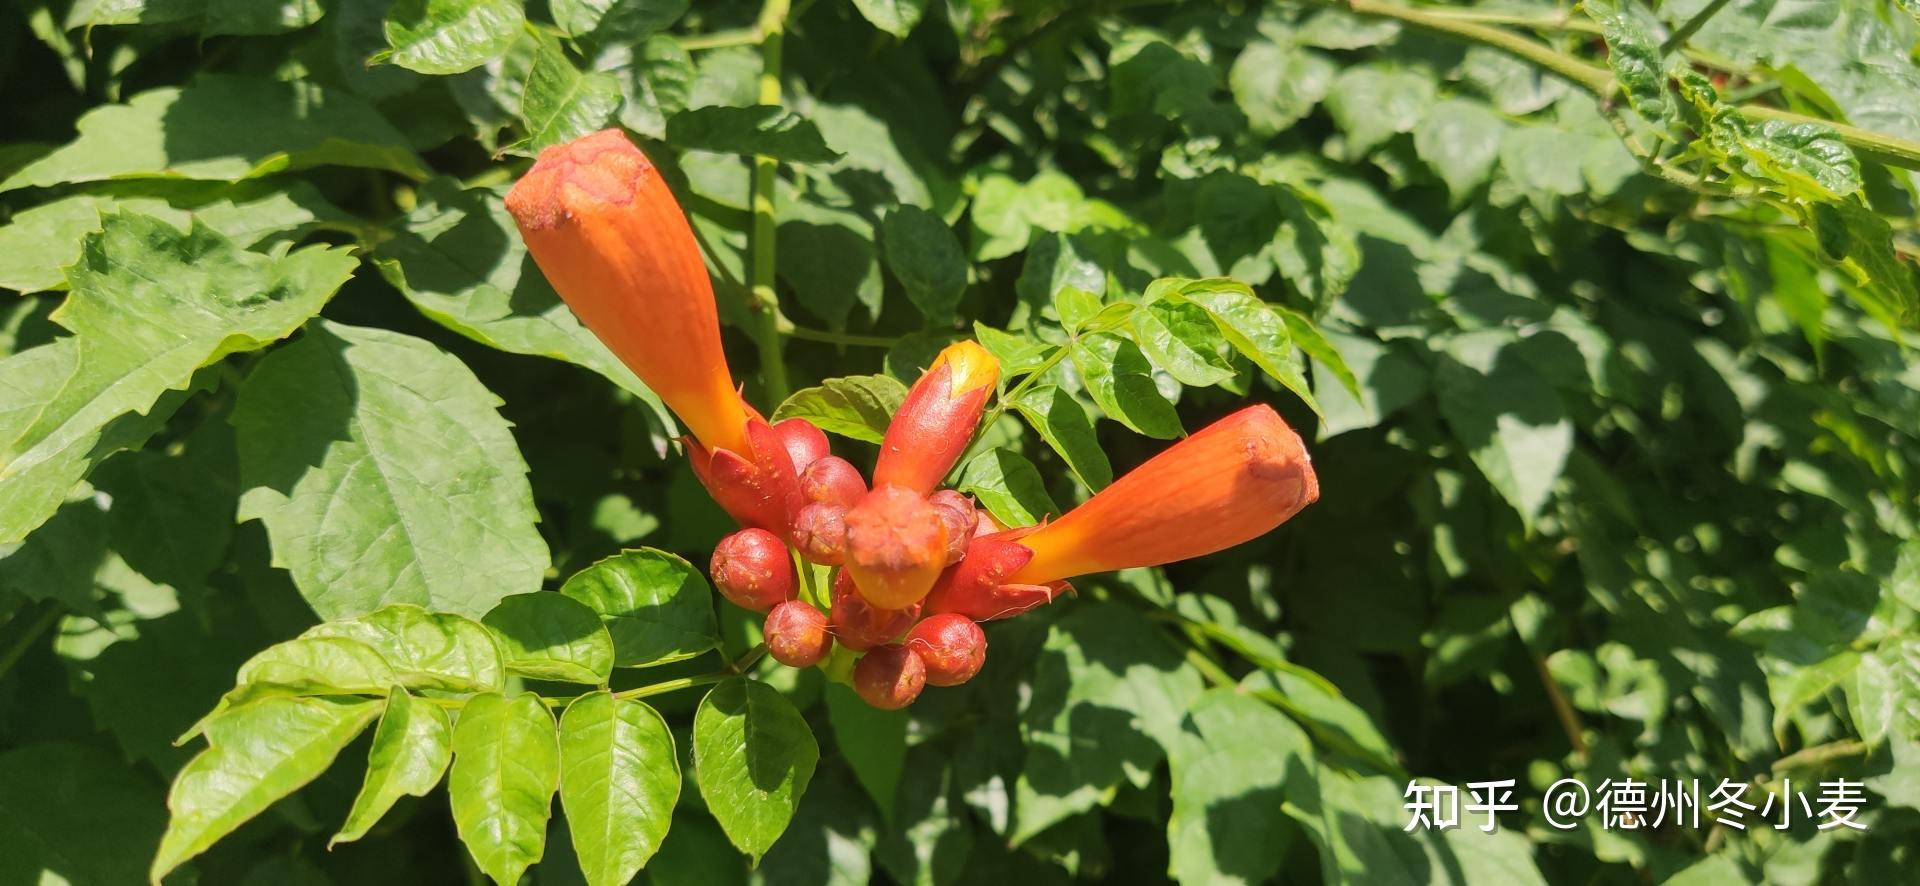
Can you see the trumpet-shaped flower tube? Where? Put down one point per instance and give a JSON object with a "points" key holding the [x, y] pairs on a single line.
{"points": [[1233, 481], [605, 229], [937, 419]]}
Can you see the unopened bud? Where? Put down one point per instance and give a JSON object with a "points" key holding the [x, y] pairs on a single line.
{"points": [[958, 513], [859, 625], [890, 677], [937, 419], [951, 645], [797, 635], [820, 533], [805, 442], [833, 479], [896, 546], [751, 568]]}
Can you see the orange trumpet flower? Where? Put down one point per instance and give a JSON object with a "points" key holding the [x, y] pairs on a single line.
{"points": [[1234, 481], [606, 230], [937, 419]]}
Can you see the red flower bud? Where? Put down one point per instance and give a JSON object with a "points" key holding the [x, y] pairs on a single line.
{"points": [[858, 625], [833, 479], [1233, 481], [981, 587], [755, 484], [797, 634], [805, 442], [890, 677], [820, 533], [938, 418], [896, 546], [952, 647], [959, 515], [751, 568], [605, 229]]}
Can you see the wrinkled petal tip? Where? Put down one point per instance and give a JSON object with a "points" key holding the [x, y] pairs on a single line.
{"points": [[603, 168]]}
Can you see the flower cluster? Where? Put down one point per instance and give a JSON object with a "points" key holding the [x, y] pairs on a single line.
{"points": [[917, 567]]}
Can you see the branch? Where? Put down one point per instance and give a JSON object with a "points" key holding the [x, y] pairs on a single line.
{"points": [[1887, 149], [765, 303]]}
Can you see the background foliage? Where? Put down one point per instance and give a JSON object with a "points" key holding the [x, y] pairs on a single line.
{"points": [[1600, 338]]}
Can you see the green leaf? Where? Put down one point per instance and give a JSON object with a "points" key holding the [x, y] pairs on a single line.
{"points": [[172, 515], [1120, 381], [1278, 84], [1018, 354], [1803, 159], [1063, 424], [658, 84], [1536, 158], [1182, 338], [1374, 103], [104, 823], [1510, 420], [60, 559], [188, 133], [1076, 306], [753, 756], [1109, 694], [619, 780], [873, 741], [427, 650], [150, 305], [318, 666], [437, 508], [559, 102], [1231, 770], [257, 753], [656, 606], [1861, 243], [411, 749], [553, 637], [506, 766], [896, 17], [1633, 52], [617, 21], [38, 243], [1008, 486], [923, 252], [459, 258], [766, 130], [208, 17], [855, 406], [450, 36], [1460, 139], [1257, 330], [828, 256]]}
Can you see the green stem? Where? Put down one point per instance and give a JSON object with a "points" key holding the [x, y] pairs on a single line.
{"points": [[839, 338], [721, 39], [1000, 407], [1692, 26], [1820, 753], [765, 303], [47, 617], [1887, 149], [1593, 78]]}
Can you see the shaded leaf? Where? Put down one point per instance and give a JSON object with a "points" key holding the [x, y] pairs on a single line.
{"points": [[766, 130], [656, 606], [753, 756], [411, 749], [553, 637]]}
